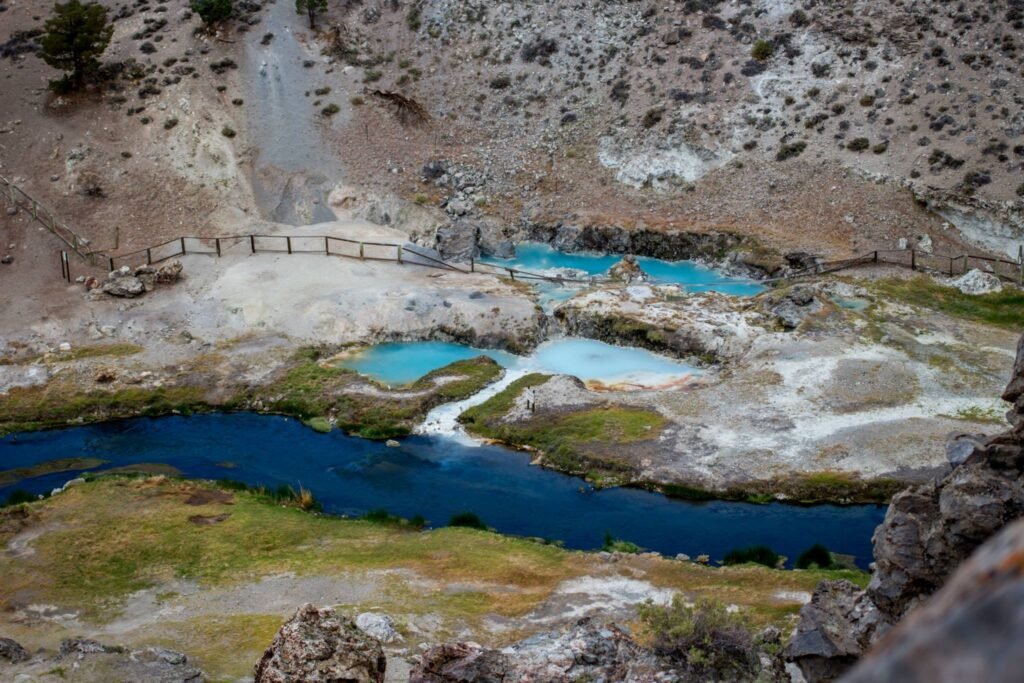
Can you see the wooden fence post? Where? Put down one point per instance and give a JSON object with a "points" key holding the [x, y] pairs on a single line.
{"points": [[327, 245], [252, 243], [110, 262], [399, 254], [913, 259], [216, 242], [1020, 261], [361, 254], [472, 264], [183, 252], [288, 241], [876, 256], [149, 256]]}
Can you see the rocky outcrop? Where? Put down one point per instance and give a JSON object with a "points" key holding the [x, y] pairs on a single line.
{"points": [[319, 646], [928, 532], [569, 235], [970, 631], [11, 651], [708, 325], [794, 306], [380, 626], [628, 271], [976, 282], [89, 660], [835, 628], [128, 283], [587, 651]]}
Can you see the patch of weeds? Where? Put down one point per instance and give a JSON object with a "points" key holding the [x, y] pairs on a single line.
{"points": [[1003, 309], [815, 557], [469, 520], [757, 554], [618, 545], [979, 415]]}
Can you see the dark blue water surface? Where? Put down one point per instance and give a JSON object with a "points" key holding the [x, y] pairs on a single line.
{"points": [[437, 477]]}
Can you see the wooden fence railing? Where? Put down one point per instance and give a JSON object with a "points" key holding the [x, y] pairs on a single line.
{"points": [[23, 200], [915, 259]]}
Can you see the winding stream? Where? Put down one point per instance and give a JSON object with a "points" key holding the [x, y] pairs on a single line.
{"points": [[438, 477]]}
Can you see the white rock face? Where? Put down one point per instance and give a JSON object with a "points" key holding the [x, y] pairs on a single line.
{"points": [[977, 282], [659, 166]]}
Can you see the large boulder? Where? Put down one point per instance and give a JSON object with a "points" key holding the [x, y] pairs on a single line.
{"points": [[588, 651], [970, 631], [835, 629], [11, 651], [125, 286], [977, 282], [319, 646]]}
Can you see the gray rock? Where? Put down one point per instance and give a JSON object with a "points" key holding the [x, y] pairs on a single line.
{"points": [[835, 629], [12, 651], [587, 651], [628, 270], [319, 646], [457, 241], [125, 286], [85, 646], [970, 631], [960, 446], [794, 307], [380, 626]]}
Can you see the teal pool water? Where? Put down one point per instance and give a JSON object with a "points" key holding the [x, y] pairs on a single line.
{"points": [[537, 257], [401, 363]]}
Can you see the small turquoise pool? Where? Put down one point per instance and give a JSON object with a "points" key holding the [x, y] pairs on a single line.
{"points": [[402, 363], [537, 257]]}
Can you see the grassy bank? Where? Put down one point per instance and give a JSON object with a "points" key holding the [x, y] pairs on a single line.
{"points": [[1003, 309], [320, 393], [102, 541], [800, 489], [317, 394], [585, 441]]}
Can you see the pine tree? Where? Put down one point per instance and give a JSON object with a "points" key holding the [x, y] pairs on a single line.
{"points": [[76, 36], [212, 11], [311, 7]]}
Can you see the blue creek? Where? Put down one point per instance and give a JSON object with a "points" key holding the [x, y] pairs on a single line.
{"points": [[438, 477]]}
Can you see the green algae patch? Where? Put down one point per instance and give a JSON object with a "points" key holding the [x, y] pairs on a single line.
{"points": [[1003, 309], [13, 476], [320, 425]]}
